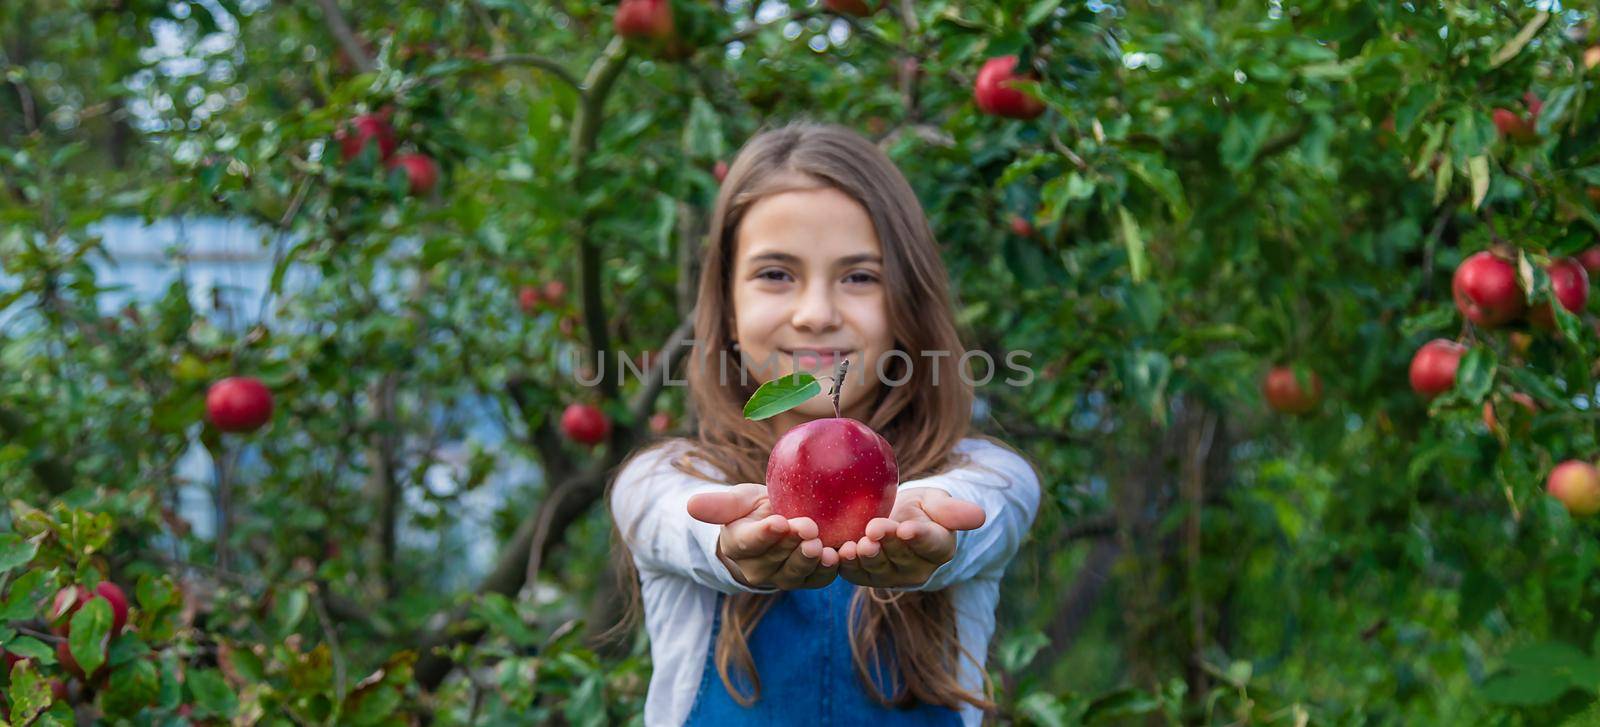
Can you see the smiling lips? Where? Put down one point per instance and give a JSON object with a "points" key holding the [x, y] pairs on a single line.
{"points": [[814, 358]]}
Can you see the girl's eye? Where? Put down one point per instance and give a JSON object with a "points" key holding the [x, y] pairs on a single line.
{"points": [[772, 274], [861, 278]]}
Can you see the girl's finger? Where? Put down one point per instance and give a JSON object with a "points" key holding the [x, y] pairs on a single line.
{"points": [[795, 569], [721, 508], [805, 527], [847, 552], [952, 513], [811, 548], [830, 557], [879, 527], [868, 548], [748, 539]]}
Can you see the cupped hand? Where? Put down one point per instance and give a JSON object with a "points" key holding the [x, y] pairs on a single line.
{"points": [[762, 549], [904, 549]]}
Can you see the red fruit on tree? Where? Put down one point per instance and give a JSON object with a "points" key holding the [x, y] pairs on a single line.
{"points": [[58, 690], [71, 598], [643, 19], [1590, 259], [858, 8], [720, 170], [1576, 484], [994, 95], [10, 659], [585, 424], [363, 129], [1021, 227], [528, 299], [554, 291], [1433, 368], [836, 471], [1486, 291], [239, 404], [660, 422], [1569, 283], [1284, 392], [422, 173], [1513, 125]]}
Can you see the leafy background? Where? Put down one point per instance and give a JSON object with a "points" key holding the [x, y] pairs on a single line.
{"points": [[1217, 187]]}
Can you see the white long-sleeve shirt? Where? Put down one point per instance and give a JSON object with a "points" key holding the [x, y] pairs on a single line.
{"points": [[680, 574]]}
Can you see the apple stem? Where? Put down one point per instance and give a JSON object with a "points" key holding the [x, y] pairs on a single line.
{"points": [[838, 383]]}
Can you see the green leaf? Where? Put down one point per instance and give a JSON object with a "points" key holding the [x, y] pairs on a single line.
{"points": [[501, 615], [1133, 242], [1018, 651], [780, 395], [32, 648], [1545, 655], [702, 136], [1523, 688], [289, 609], [29, 693], [212, 692], [1039, 12], [1476, 374], [15, 551], [1117, 706], [132, 687], [91, 634], [1478, 169], [1242, 139]]}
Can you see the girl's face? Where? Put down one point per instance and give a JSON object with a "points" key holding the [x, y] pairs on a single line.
{"points": [[807, 290]]}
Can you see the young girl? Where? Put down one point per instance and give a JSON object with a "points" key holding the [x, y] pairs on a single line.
{"points": [[819, 251]]}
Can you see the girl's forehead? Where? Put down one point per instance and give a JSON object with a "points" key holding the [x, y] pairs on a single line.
{"points": [[806, 224]]}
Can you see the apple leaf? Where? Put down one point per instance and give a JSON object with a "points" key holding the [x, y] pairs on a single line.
{"points": [[90, 633], [212, 692], [132, 687], [1478, 166], [32, 648], [780, 395], [1523, 688], [1476, 374], [29, 693], [1133, 240], [15, 551]]}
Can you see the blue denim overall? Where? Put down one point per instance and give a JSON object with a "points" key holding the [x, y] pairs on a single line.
{"points": [[801, 649]]}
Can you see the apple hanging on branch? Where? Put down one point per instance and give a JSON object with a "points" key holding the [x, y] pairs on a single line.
{"points": [[836, 471]]}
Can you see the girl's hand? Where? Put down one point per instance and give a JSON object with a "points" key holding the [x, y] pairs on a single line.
{"points": [[761, 549], [904, 549]]}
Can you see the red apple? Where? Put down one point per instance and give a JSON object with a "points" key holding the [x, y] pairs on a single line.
{"points": [[1576, 484], [1284, 392], [528, 299], [1513, 125], [858, 8], [585, 424], [421, 171], [10, 659], [554, 291], [1486, 290], [836, 471], [1569, 282], [720, 170], [660, 422], [995, 96], [1590, 259], [239, 404], [1021, 227], [58, 690], [643, 19], [71, 598], [1433, 368], [362, 129]]}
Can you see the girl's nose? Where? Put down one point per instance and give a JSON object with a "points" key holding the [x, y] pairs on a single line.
{"points": [[816, 309]]}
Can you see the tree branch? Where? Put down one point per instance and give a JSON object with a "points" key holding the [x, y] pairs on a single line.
{"points": [[346, 37], [536, 61]]}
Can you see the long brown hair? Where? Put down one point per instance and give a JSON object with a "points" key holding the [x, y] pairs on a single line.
{"points": [[922, 421]]}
